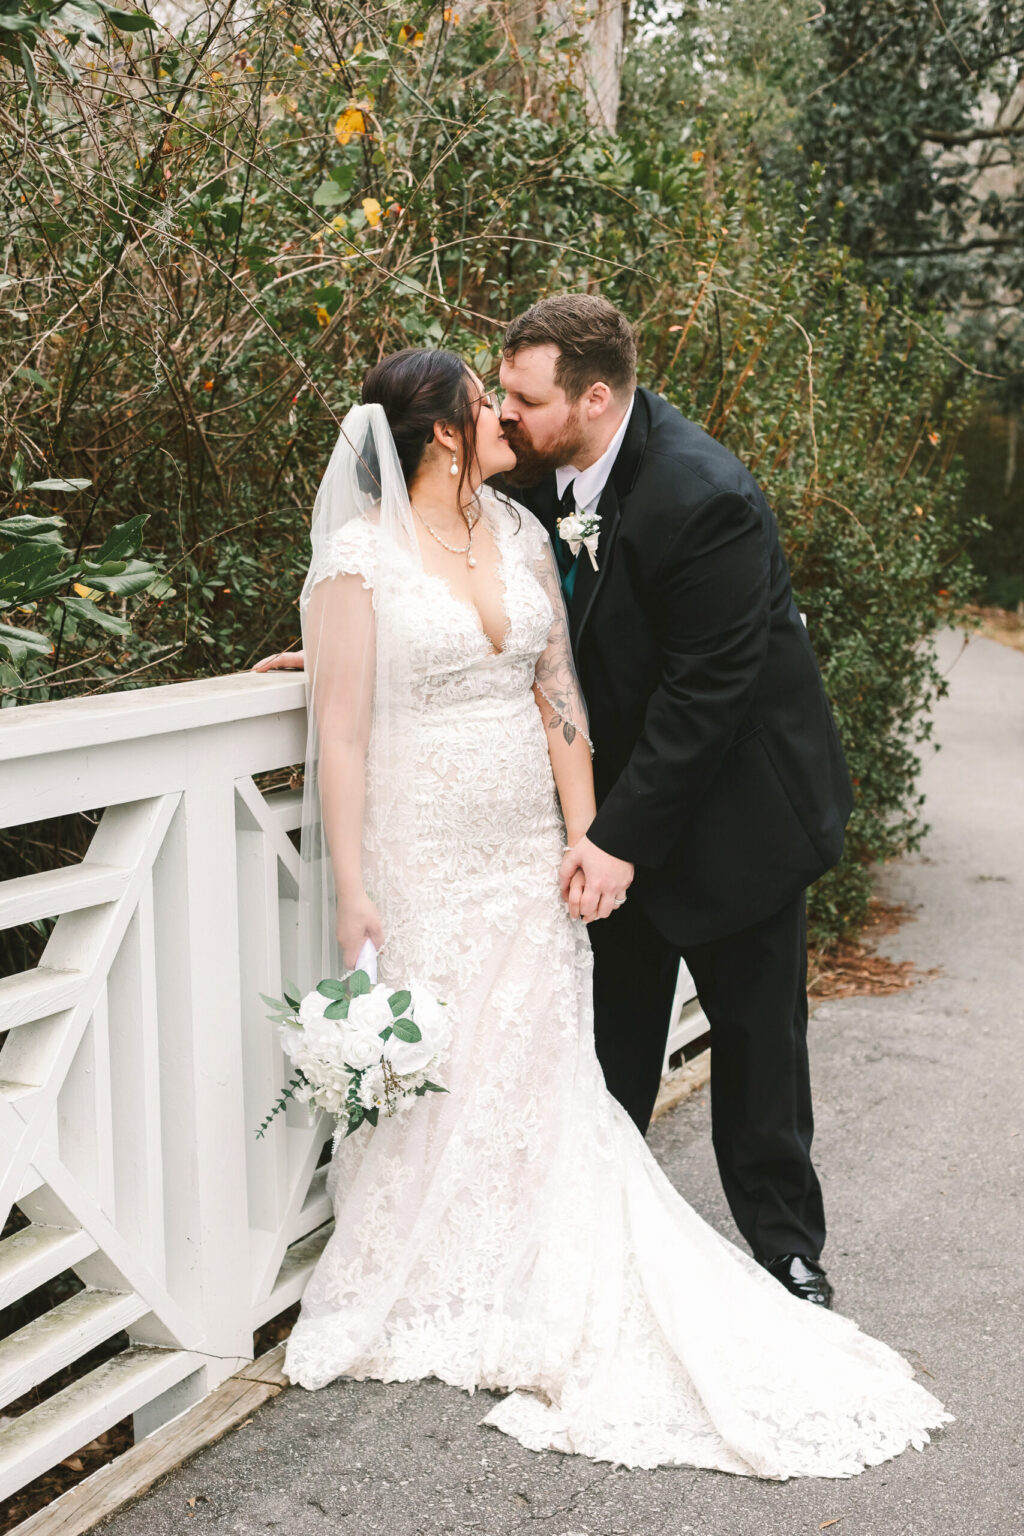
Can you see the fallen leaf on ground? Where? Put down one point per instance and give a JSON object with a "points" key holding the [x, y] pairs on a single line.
{"points": [[851, 969]]}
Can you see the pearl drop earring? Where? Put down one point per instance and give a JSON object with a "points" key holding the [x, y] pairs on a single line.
{"points": [[455, 466]]}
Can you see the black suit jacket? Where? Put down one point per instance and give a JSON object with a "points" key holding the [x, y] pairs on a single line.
{"points": [[718, 767]]}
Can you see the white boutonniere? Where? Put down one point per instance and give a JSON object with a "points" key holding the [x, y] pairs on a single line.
{"points": [[581, 529]]}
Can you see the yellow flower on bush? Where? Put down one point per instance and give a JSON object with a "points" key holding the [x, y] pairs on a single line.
{"points": [[350, 125], [339, 222], [322, 316], [371, 208], [697, 156]]}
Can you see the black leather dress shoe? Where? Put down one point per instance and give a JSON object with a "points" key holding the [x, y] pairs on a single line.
{"points": [[801, 1276]]}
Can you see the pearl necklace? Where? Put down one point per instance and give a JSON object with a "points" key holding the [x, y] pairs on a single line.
{"points": [[467, 550]]}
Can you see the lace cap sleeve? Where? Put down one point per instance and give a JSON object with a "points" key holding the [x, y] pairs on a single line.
{"points": [[351, 551]]}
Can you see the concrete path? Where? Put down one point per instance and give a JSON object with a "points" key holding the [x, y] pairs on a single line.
{"points": [[920, 1144]]}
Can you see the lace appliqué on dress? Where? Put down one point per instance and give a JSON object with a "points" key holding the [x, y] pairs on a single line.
{"points": [[515, 1233]]}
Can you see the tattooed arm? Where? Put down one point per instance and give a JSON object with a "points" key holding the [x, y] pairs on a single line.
{"points": [[593, 882], [557, 692], [560, 701]]}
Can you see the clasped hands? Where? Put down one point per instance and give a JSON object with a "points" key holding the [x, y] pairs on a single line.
{"points": [[593, 882]]}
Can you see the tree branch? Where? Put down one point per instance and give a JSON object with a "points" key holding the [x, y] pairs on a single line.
{"points": [[968, 135], [1000, 242]]}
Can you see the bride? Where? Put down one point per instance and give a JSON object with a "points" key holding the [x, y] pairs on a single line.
{"points": [[514, 1233]]}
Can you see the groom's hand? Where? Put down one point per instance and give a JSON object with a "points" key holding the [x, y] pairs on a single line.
{"points": [[606, 879]]}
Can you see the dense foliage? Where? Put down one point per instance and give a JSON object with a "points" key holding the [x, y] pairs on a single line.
{"points": [[210, 234], [914, 117]]}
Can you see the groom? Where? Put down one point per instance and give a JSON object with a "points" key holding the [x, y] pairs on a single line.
{"points": [[722, 790]]}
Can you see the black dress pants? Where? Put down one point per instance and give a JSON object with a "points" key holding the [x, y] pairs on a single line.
{"points": [[752, 986]]}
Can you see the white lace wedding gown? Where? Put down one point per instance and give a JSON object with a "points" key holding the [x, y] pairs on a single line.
{"points": [[516, 1233]]}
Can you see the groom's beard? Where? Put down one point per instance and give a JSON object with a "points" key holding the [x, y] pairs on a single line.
{"points": [[532, 463]]}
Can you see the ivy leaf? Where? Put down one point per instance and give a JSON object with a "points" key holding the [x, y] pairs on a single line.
{"points": [[34, 377], [133, 576], [331, 988], [328, 194], [359, 984], [22, 643], [39, 530], [67, 70], [130, 21], [160, 587], [27, 571], [89, 613], [276, 1004], [122, 542]]}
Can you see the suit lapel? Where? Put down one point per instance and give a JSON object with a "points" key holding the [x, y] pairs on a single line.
{"points": [[587, 579], [620, 483]]}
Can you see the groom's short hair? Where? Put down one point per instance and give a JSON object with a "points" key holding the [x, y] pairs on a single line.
{"points": [[594, 340]]}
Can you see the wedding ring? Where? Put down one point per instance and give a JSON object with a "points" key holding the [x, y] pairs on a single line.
{"points": [[620, 901]]}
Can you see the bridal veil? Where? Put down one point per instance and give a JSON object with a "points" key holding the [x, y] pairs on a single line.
{"points": [[360, 667]]}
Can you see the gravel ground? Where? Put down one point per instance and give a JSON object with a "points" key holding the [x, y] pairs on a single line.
{"points": [[920, 1135]]}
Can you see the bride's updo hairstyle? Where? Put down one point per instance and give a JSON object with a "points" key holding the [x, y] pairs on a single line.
{"points": [[418, 387]]}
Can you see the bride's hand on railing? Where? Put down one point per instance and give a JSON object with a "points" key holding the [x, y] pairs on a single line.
{"points": [[281, 661], [358, 920]]}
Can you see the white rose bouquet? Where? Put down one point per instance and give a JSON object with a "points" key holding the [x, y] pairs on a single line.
{"points": [[359, 1048]]}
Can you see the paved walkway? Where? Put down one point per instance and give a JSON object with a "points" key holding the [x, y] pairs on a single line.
{"points": [[920, 1144]]}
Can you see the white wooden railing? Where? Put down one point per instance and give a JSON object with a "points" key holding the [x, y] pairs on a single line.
{"points": [[138, 1060]]}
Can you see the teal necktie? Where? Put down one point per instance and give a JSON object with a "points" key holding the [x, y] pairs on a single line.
{"points": [[567, 565]]}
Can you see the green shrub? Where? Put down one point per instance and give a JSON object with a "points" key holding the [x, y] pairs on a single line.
{"points": [[211, 236]]}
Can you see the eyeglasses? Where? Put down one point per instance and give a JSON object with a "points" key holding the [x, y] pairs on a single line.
{"points": [[493, 399]]}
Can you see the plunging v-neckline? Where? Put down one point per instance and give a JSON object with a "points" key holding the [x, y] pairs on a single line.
{"points": [[502, 575]]}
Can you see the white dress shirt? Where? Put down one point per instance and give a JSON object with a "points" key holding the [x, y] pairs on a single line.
{"points": [[590, 482]]}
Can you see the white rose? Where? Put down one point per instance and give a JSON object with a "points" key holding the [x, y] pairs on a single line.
{"points": [[372, 1010], [408, 1056], [432, 1018], [570, 528], [362, 1047], [312, 1006]]}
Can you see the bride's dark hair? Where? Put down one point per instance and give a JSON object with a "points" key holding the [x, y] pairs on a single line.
{"points": [[418, 387]]}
